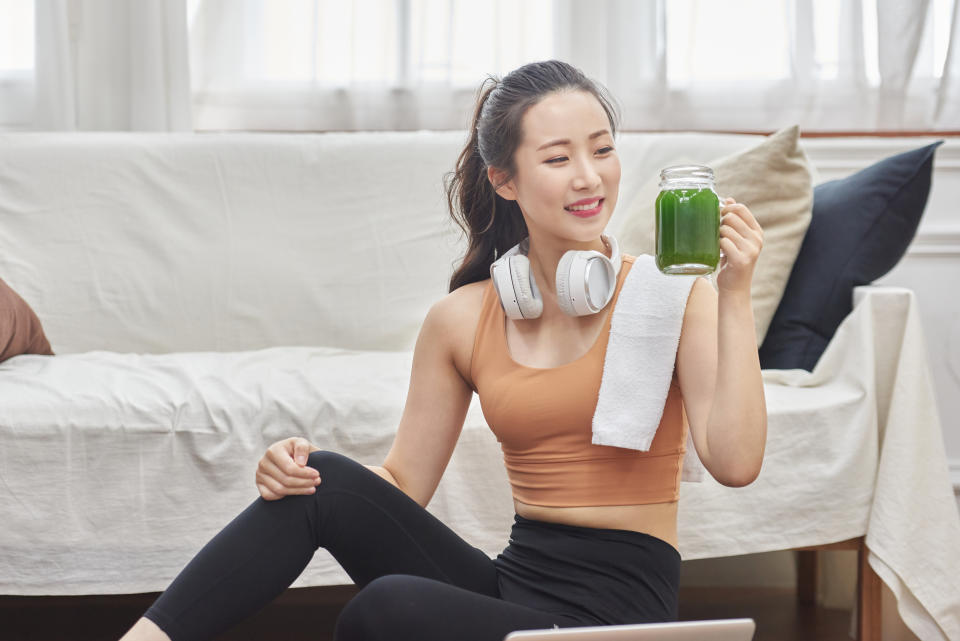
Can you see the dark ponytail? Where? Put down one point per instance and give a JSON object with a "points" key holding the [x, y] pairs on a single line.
{"points": [[492, 223]]}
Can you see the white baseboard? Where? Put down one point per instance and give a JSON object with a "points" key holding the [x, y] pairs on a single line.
{"points": [[849, 154], [936, 240]]}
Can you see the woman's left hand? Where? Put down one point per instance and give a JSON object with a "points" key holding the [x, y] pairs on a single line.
{"points": [[741, 239]]}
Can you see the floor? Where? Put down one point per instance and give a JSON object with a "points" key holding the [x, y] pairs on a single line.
{"points": [[310, 613]]}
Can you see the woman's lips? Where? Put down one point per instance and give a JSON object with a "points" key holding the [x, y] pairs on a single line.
{"points": [[586, 213]]}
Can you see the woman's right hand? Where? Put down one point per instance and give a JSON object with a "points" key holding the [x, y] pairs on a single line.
{"points": [[283, 470]]}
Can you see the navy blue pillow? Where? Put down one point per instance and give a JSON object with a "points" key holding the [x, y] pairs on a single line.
{"points": [[861, 227]]}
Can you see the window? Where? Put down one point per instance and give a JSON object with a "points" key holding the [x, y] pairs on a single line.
{"points": [[16, 64], [364, 64], [709, 41], [326, 65], [16, 38], [374, 43], [705, 41]]}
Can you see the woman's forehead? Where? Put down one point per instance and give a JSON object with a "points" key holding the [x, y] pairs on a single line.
{"points": [[568, 115]]}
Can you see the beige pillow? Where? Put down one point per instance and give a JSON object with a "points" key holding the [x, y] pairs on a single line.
{"points": [[774, 179]]}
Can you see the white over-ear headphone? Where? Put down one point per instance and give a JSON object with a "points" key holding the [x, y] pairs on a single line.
{"points": [[586, 281]]}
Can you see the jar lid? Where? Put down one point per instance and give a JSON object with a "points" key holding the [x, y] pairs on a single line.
{"points": [[701, 172]]}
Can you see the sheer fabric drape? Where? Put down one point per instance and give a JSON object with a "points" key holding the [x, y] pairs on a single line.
{"points": [[111, 65], [748, 65]]}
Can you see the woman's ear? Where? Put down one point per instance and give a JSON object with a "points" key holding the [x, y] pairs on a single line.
{"points": [[505, 191]]}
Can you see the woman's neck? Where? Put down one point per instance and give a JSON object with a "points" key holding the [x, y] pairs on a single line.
{"points": [[545, 258]]}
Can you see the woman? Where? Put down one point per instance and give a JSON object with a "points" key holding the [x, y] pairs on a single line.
{"points": [[589, 546]]}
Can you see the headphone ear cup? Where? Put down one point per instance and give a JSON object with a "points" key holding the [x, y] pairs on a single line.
{"points": [[564, 299], [603, 280], [528, 296]]}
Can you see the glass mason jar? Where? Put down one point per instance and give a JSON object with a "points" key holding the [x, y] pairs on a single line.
{"points": [[688, 221]]}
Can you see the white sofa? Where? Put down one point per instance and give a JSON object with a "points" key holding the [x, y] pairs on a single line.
{"points": [[208, 294]]}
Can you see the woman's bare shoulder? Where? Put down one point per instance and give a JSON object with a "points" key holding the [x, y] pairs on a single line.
{"points": [[459, 313], [463, 302]]}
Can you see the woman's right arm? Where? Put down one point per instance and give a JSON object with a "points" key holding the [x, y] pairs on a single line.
{"points": [[437, 402], [438, 396]]}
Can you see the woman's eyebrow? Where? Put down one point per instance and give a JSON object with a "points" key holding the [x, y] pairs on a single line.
{"points": [[566, 141]]}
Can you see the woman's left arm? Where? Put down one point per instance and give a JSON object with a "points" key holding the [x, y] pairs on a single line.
{"points": [[718, 363]]}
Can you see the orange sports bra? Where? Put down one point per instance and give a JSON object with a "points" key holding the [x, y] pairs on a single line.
{"points": [[542, 418]]}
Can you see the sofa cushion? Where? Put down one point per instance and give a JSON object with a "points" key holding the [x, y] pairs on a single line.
{"points": [[773, 178], [119, 467], [20, 330], [861, 227]]}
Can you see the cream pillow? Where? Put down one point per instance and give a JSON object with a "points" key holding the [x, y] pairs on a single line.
{"points": [[774, 179]]}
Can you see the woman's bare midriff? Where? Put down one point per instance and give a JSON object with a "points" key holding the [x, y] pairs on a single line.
{"points": [[655, 519]]}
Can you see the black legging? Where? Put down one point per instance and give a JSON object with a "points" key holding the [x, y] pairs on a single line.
{"points": [[419, 579]]}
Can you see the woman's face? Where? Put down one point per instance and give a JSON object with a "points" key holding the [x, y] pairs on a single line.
{"points": [[580, 164]]}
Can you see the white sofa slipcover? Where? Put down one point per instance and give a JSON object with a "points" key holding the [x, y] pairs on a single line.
{"points": [[207, 294]]}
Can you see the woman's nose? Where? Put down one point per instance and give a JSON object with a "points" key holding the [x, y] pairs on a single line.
{"points": [[587, 176]]}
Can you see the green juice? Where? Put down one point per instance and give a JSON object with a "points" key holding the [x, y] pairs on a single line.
{"points": [[688, 231]]}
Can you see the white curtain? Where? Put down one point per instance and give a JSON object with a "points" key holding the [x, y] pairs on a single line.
{"points": [[620, 43], [112, 65], [947, 110], [847, 65], [403, 64], [744, 65], [364, 64]]}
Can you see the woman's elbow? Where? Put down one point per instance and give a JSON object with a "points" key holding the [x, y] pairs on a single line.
{"points": [[742, 474], [740, 478]]}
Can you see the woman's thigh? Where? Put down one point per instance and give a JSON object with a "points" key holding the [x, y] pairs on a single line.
{"points": [[402, 606], [372, 529]]}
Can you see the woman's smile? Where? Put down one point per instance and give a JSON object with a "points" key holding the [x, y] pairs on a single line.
{"points": [[584, 211]]}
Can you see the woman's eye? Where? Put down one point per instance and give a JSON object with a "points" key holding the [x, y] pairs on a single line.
{"points": [[604, 150]]}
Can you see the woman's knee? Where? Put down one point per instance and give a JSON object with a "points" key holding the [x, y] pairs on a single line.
{"points": [[335, 468]]}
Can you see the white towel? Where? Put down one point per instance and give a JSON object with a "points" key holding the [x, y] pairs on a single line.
{"points": [[638, 366]]}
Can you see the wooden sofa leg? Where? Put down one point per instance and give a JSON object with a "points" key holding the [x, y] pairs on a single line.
{"points": [[807, 574], [869, 595]]}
